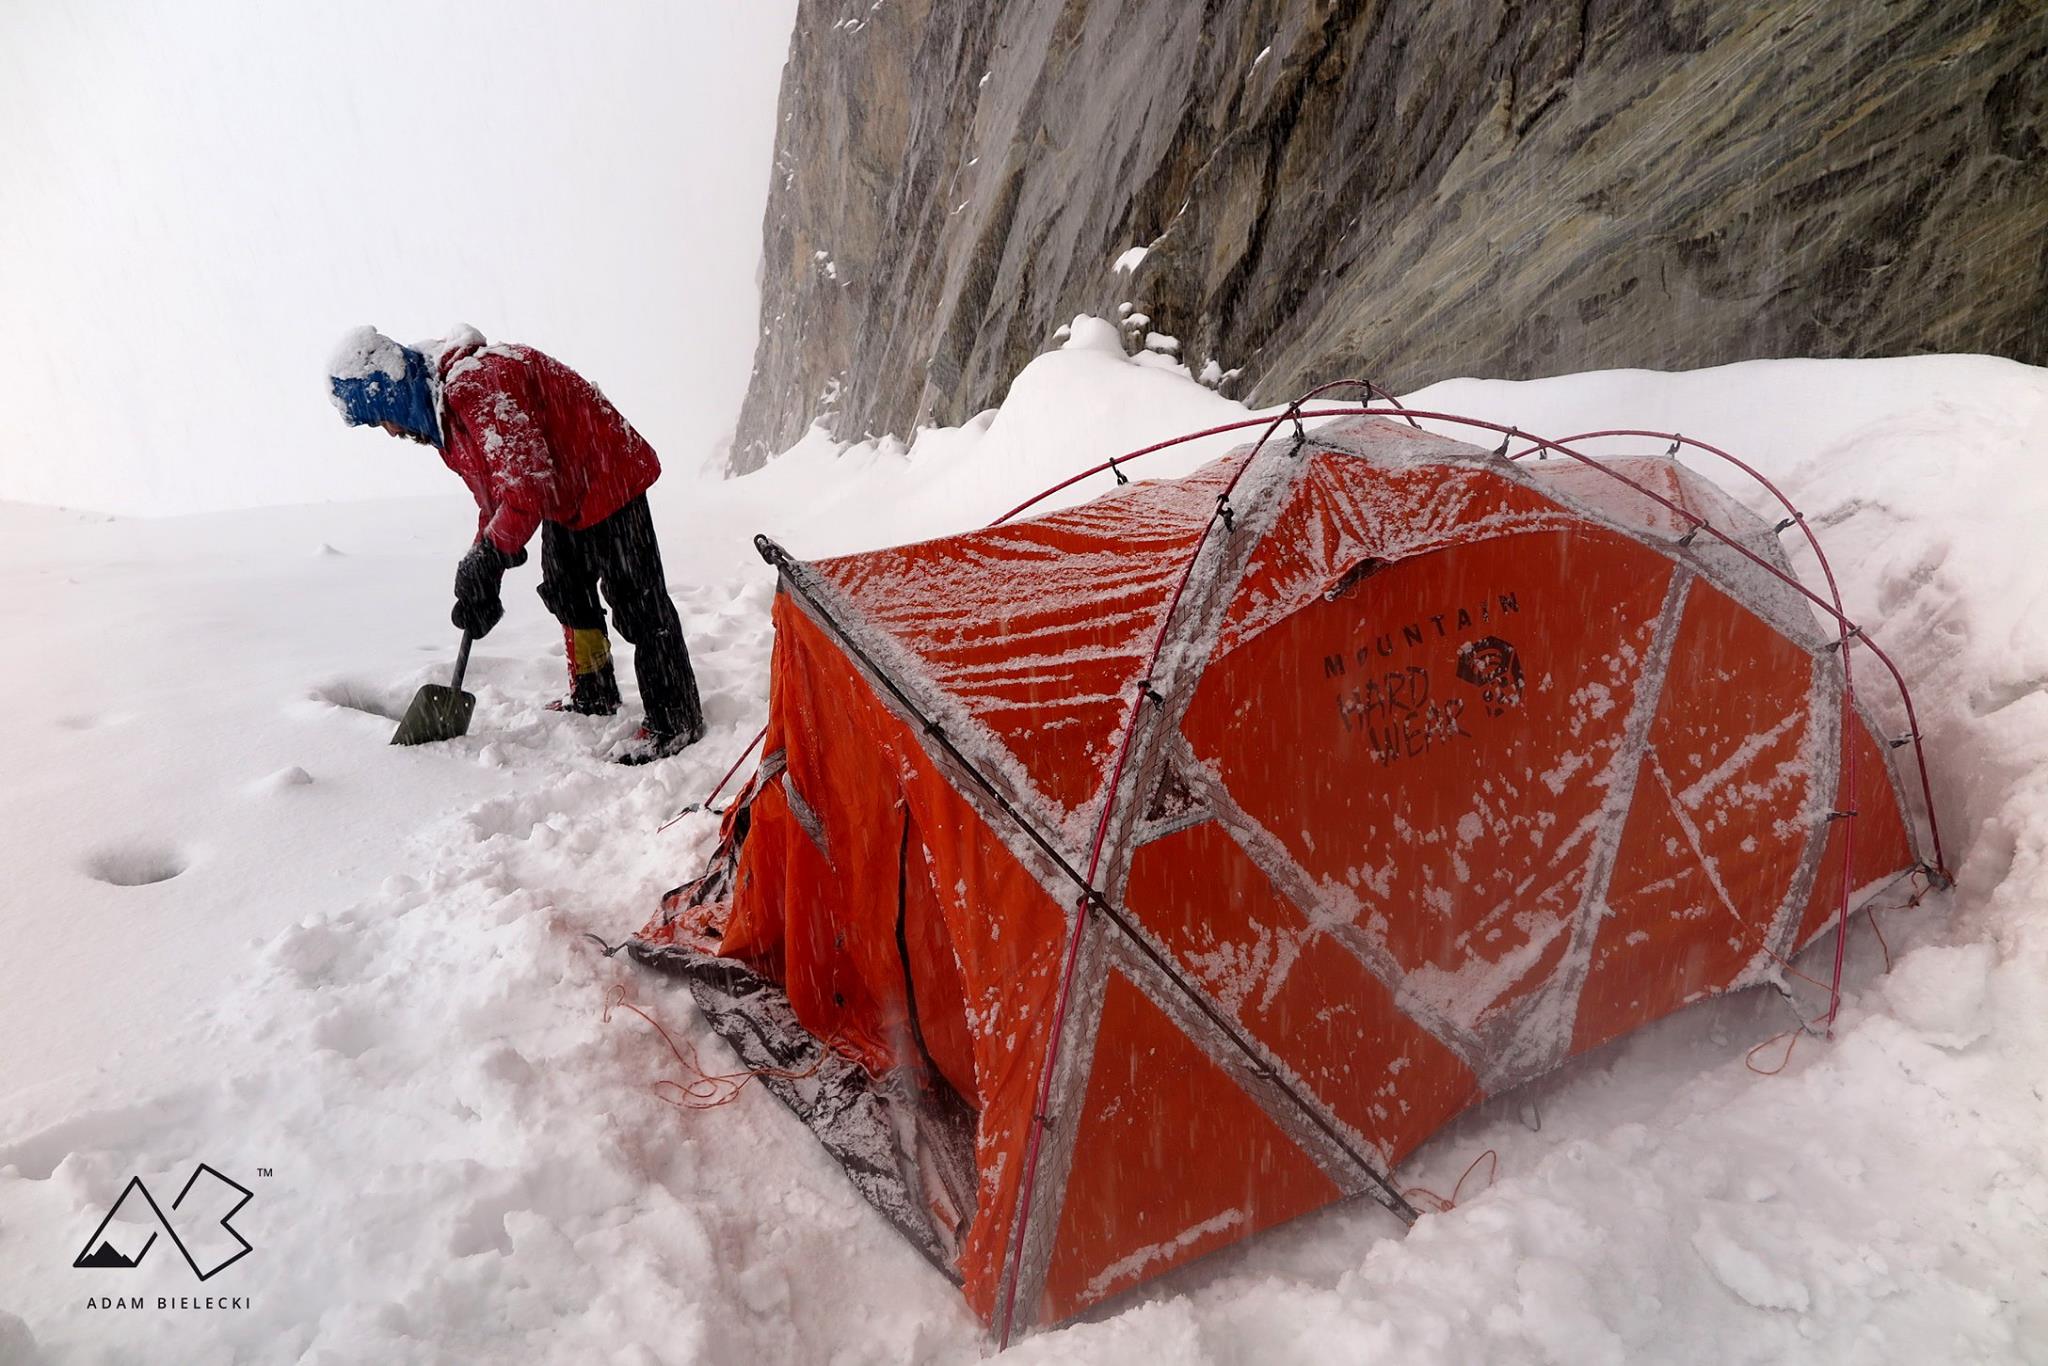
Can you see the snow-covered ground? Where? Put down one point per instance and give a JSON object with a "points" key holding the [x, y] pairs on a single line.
{"points": [[236, 927]]}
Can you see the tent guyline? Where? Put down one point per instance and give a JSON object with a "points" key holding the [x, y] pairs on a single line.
{"points": [[1090, 898], [1174, 937]]}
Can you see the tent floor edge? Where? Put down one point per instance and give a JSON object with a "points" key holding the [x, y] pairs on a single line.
{"points": [[872, 1126]]}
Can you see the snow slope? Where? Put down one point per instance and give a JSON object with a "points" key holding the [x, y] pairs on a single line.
{"points": [[369, 973]]}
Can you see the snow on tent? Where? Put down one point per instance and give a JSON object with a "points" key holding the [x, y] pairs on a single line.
{"points": [[1121, 882]]}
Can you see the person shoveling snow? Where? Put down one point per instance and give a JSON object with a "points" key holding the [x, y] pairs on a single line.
{"points": [[540, 449]]}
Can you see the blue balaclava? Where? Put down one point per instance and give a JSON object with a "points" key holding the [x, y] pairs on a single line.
{"points": [[375, 379]]}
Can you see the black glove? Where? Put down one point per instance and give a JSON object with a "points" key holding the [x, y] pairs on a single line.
{"points": [[478, 606]]}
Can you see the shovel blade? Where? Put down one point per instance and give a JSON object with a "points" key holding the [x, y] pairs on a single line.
{"points": [[436, 713]]}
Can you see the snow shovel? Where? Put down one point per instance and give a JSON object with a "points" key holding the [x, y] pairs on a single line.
{"points": [[439, 713]]}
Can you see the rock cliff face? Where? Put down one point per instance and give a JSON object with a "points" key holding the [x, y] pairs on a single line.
{"points": [[1407, 189]]}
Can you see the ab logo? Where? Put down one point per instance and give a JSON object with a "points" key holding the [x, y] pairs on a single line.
{"points": [[197, 1225]]}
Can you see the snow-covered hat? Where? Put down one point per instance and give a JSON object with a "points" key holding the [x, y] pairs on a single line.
{"points": [[374, 379]]}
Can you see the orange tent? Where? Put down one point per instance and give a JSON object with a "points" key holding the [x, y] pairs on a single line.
{"points": [[1124, 881]]}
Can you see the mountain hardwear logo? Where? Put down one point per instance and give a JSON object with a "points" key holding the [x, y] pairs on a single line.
{"points": [[199, 1217]]}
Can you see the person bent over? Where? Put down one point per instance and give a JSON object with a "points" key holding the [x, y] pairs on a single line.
{"points": [[541, 449]]}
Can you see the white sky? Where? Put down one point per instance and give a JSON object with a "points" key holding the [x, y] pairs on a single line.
{"points": [[197, 199]]}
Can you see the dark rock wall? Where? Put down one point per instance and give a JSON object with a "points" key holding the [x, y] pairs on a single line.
{"points": [[1410, 190]]}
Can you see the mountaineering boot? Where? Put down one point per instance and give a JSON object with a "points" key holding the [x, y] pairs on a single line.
{"points": [[593, 683], [649, 744], [591, 694]]}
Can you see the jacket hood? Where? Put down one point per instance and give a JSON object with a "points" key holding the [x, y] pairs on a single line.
{"points": [[373, 379]]}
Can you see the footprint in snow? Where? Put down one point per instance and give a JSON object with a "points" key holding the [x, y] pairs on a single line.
{"points": [[136, 864], [369, 699], [82, 720]]}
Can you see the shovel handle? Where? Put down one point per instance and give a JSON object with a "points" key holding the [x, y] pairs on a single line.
{"points": [[461, 663]]}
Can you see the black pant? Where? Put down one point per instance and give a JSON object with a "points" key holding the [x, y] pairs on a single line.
{"points": [[620, 554]]}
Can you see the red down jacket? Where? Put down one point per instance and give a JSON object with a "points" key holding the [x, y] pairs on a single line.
{"points": [[536, 442]]}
